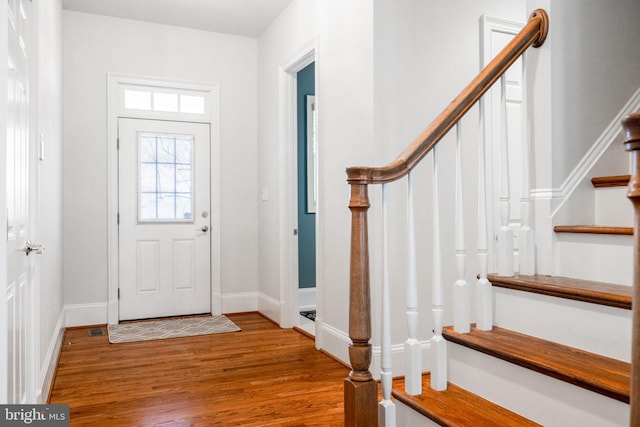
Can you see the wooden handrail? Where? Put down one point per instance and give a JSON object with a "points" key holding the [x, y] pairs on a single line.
{"points": [[360, 390], [631, 125], [533, 34]]}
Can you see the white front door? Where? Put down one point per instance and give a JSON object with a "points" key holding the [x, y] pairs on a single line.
{"points": [[20, 187], [164, 218]]}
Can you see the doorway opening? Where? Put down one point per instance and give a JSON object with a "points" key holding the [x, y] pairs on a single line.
{"points": [[307, 195], [290, 290], [170, 129]]}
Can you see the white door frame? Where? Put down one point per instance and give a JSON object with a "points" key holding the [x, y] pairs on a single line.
{"points": [[289, 314], [490, 25], [4, 323], [115, 82]]}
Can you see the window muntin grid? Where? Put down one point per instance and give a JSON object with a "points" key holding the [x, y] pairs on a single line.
{"points": [[165, 177]]}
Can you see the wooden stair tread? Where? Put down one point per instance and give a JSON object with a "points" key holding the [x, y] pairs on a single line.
{"points": [[601, 293], [594, 229], [600, 374], [610, 181], [444, 407]]}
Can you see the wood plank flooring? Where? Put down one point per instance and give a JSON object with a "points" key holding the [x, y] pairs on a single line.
{"points": [[261, 376]]}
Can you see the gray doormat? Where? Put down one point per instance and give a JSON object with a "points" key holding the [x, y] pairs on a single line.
{"points": [[170, 328], [311, 314]]}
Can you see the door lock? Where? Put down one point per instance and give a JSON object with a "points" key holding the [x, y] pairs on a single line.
{"points": [[33, 247]]}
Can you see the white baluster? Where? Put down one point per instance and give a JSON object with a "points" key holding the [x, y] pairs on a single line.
{"points": [[505, 235], [386, 408], [526, 244], [462, 291], [438, 344], [412, 347], [484, 320]]}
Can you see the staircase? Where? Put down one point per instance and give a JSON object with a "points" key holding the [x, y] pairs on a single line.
{"points": [[584, 251], [545, 350], [559, 351], [529, 378]]}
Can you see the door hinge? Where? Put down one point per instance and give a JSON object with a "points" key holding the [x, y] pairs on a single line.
{"points": [[118, 293], [118, 218], [118, 144]]}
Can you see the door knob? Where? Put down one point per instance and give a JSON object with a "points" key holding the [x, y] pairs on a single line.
{"points": [[32, 247], [205, 228]]}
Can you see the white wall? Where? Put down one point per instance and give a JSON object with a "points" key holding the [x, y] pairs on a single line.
{"points": [[49, 230], [280, 43], [581, 78], [595, 57], [344, 94], [95, 45]]}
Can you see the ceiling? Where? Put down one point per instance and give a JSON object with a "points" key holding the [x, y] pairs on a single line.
{"points": [[241, 17]]}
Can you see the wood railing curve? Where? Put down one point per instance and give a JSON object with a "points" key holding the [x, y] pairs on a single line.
{"points": [[360, 392]]}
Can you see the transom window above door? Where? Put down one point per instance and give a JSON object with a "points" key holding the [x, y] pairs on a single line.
{"points": [[163, 103]]}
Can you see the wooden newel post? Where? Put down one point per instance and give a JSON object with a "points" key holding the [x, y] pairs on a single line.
{"points": [[631, 125], [360, 390]]}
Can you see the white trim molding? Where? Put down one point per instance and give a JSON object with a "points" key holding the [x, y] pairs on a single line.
{"points": [[270, 308], [560, 195], [398, 359], [85, 314], [334, 341], [240, 302], [48, 368], [288, 183]]}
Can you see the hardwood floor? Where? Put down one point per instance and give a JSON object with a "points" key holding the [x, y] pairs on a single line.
{"points": [[261, 376]]}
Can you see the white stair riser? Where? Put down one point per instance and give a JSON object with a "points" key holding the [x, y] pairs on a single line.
{"points": [[602, 258], [543, 399], [613, 207], [590, 327]]}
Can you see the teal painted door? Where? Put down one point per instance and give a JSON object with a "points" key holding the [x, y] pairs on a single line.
{"points": [[306, 216]]}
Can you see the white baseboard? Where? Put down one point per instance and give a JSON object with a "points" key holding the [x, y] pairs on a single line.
{"points": [[333, 341], [48, 368], [307, 299], [85, 314], [270, 308], [241, 302], [96, 313], [337, 343], [398, 360]]}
